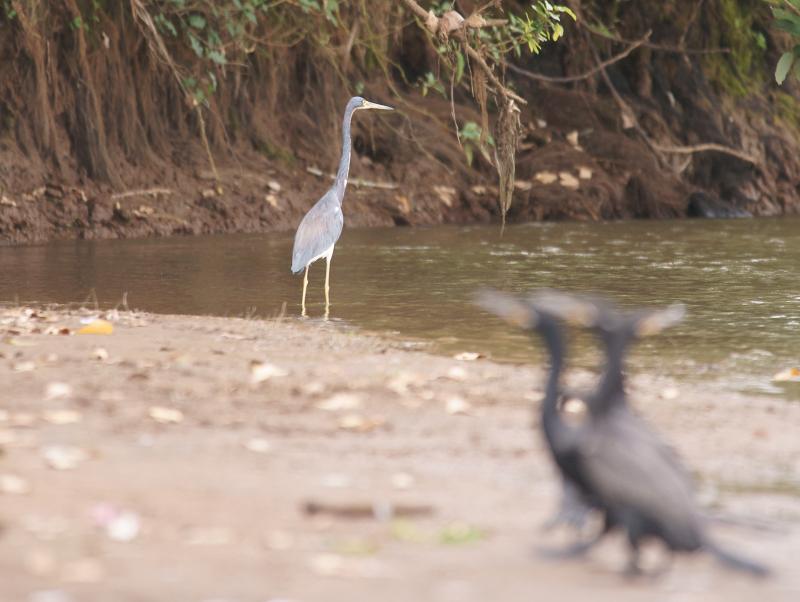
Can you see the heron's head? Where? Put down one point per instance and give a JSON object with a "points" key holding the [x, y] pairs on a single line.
{"points": [[363, 103]]}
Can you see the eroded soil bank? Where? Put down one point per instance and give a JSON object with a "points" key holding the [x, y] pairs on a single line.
{"points": [[666, 112], [573, 163], [177, 459]]}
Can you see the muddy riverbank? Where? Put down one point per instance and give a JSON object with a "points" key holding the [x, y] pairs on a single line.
{"points": [[196, 458]]}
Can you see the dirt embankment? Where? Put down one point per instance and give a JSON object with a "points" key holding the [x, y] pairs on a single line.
{"points": [[573, 164], [99, 140], [189, 458]]}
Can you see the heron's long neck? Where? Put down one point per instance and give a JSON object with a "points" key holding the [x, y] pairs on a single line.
{"points": [[344, 162]]}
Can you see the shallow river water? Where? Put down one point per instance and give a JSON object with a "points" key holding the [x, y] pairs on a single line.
{"points": [[738, 279]]}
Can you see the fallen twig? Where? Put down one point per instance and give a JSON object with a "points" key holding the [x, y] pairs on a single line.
{"points": [[143, 192], [357, 182], [362, 510]]}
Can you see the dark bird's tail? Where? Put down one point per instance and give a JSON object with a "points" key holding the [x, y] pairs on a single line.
{"points": [[736, 562]]}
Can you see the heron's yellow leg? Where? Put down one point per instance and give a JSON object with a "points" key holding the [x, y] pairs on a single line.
{"points": [[305, 286], [327, 286]]}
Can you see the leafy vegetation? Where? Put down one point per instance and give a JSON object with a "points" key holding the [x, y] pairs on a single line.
{"points": [[738, 71], [207, 36], [470, 136], [787, 18], [100, 89]]}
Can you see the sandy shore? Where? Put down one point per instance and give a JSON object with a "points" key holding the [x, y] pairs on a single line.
{"points": [[199, 459]]}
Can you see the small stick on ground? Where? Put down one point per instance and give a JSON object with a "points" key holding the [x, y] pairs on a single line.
{"points": [[143, 192]]}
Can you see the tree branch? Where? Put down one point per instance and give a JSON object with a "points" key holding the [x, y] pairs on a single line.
{"points": [[658, 148], [624, 107], [474, 55], [709, 146], [416, 9], [656, 46], [585, 75], [432, 23]]}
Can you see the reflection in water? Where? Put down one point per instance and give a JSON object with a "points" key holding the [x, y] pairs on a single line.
{"points": [[738, 279]]}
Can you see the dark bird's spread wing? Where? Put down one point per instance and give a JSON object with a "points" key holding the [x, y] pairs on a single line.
{"points": [[319, 230]]}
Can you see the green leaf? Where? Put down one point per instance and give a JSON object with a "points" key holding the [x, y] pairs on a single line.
{"points": [[567, 10], [217, 57], [196, 45], [197, 21], [470, 131], [459, 67], [308, 5], [460, 533], [784, 64], [165, 24], [790, 25], [214, 40], [780, 13], [600, 29], [407, 531], [331, 8]]}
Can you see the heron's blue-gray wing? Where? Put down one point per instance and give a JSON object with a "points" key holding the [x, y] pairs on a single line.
{"points": [[318, 231]]}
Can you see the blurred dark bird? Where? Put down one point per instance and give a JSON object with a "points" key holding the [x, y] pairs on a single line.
{"points": [[617, 331], [321, 227], [617, 463]]}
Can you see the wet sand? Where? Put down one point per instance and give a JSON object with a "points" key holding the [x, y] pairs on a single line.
{"points": [[179, 458]]}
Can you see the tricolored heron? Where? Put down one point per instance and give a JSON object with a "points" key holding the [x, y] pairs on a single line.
{"points": [[322, 225], [617, 463]]}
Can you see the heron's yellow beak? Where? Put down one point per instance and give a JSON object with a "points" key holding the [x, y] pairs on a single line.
{"points": [[373, 105]]}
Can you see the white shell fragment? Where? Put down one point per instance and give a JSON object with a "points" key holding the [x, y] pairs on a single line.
{"points": [[64, 457], [263, 371], [164, 415]]}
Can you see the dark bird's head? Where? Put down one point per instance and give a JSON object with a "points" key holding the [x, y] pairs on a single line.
{"points": [[538, 312], [604, 317], [521, 312], [362, 103], [512, 309]]}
